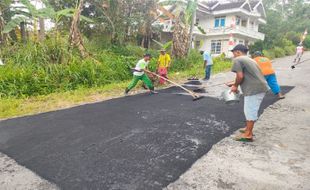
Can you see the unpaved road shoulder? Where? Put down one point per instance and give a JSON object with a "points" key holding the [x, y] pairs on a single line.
{"points": [[279, 158]]}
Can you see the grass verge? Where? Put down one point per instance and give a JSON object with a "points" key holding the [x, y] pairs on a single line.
{"points": [[14, 107]]}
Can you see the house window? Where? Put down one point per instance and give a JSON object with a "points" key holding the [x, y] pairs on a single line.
{"points": [[219, 22], [244, 23], [216, 46], [197, 44], [252, 25], [197, 21], [238, 20]]}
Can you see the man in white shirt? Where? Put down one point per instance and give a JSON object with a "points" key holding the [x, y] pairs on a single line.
{"points": [[299, 52]]}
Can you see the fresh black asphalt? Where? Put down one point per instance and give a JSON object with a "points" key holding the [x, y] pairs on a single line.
{"points": [[140, 142]]}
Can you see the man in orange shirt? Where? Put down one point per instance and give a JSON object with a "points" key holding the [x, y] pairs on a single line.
{"points": [[268, 72]]}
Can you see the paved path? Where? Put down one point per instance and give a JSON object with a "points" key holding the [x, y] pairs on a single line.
{"points": [[137, 142]]}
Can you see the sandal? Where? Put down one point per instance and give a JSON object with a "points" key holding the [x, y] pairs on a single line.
{"points": [[243, 139]]}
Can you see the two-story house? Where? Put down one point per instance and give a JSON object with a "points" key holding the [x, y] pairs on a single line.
{"points": [[222, 24], [227, 24]]}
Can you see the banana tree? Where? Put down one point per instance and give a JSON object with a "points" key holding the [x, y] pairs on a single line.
{"points": [[75, 38], [47, 12], [184, 15], [4, 5]]}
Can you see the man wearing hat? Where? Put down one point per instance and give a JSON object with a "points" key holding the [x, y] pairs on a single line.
{"points": [[266, 67], [253, 85], [139, 74], [163, 65]]}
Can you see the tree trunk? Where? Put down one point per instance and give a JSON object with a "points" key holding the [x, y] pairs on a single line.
{"points": [[180, 38], [190, 42], [75, 38], [42, 29], [2, 40], [23, 32]]}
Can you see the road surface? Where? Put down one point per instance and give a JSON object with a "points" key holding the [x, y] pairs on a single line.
{"points": [[148, 142]]}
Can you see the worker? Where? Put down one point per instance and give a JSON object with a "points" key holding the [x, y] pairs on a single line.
{"points": [[266, 67], [207, 64], [299, 52], [139, 74], [163, 65], [253, 86]]}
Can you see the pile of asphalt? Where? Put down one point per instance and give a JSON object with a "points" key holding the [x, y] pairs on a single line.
{"points": [[194, 82], [136, 142]]}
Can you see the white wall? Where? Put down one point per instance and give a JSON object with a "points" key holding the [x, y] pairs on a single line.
{"points": [[225, 47]]}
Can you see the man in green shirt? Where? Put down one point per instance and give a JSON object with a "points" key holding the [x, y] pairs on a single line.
{"points": [[253, 85], [139, 74]]}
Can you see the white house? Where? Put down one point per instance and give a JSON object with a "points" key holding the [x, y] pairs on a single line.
{"points": [[222, 24]]}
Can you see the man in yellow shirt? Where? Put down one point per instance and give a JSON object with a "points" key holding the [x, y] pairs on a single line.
{"points": [[163, 65]]}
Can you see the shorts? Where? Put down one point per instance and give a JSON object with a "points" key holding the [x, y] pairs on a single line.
{"points": [[251, 106]]}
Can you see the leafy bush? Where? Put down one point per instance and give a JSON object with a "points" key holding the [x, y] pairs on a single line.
{"points": [[279, 52], [269, 53], [194, 58], [307, 42], [289, 50], [257, 46], [39, 69], [43, 53], [283, 42], [293, 36]]}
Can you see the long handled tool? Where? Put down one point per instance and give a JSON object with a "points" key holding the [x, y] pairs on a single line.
{"points": [[194, 95], [293, 66]]}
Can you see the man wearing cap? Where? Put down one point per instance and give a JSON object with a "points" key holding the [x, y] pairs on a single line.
{"points": [[266, 67], [163, 64], [253, 85], [139, 74]]}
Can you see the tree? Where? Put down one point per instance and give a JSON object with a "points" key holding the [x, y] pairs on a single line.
{"points": [[285, 20], [184, 14], [75, 38], [4, 5]]}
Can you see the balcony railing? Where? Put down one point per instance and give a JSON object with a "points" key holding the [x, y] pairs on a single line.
{"points": [[249, 32]]}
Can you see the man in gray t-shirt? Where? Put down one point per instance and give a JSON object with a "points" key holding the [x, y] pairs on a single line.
{"points": [[253, 86], [253, 80]]}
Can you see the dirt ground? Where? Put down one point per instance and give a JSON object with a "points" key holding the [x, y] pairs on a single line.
{"points": [[279, 158]]}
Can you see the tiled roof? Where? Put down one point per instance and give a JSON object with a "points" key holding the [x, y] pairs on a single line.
{"points": [[210, 3], [203, 7], [253, 3], [247, 7], [230, 5]]}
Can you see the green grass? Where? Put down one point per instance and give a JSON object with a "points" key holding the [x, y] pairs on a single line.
{"points": [[13, 106]]}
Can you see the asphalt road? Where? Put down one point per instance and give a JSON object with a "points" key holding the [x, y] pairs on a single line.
{"points": [[136, 142]]}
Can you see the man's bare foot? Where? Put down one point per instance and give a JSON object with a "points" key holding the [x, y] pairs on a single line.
{"points": [[281, 96], [242, 130]]}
